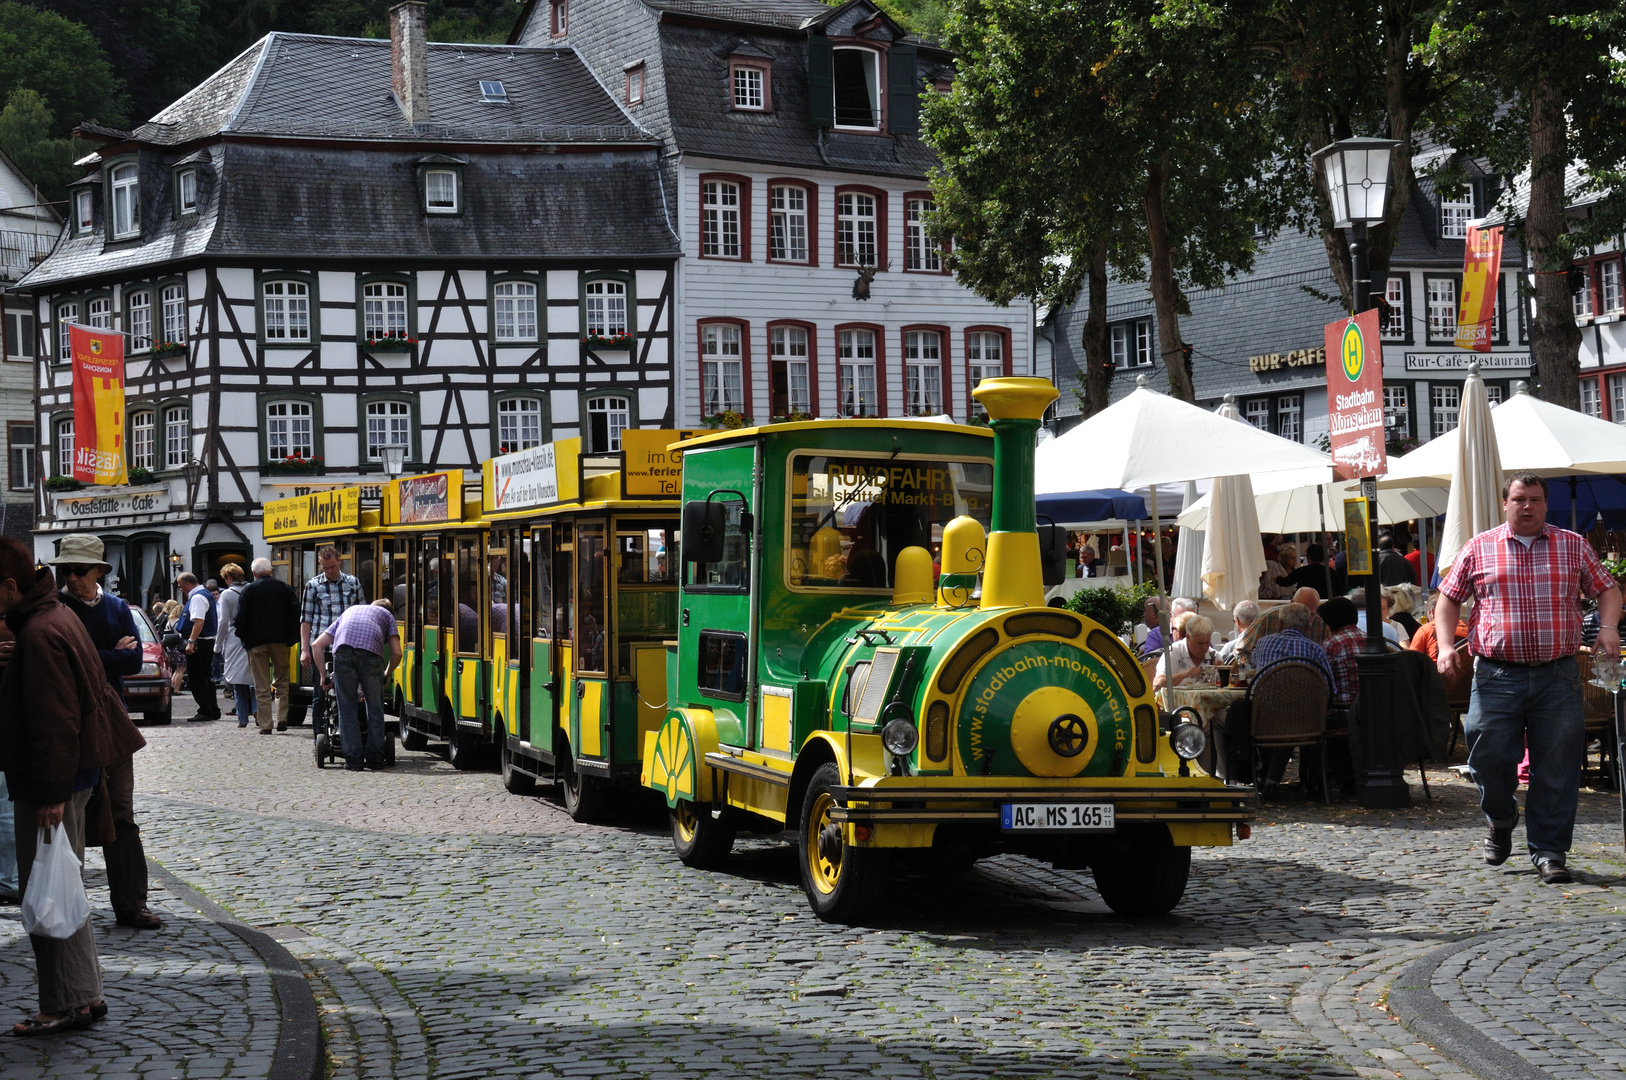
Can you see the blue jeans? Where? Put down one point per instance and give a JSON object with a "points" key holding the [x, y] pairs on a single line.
{"points": [[358, 673], [1542, 705], [8, 842], [242, 695]]}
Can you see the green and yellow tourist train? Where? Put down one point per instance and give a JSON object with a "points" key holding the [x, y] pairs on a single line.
{"points": [[831, 628]]}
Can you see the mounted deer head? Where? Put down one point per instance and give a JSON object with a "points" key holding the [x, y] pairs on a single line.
{"points": [[866, 274]]}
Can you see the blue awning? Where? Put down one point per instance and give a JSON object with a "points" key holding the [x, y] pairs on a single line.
{"points": [[1103, 504], [1595, 497]]}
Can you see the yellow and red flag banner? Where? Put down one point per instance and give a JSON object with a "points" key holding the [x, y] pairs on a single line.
{"points": [[1481, 269], [98, 406]]}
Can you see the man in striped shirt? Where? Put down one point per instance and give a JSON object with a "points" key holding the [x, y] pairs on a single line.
{"points": [[326, 596], [1526, 578]]}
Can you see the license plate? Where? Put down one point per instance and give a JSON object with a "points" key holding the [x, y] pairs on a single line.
{"points": [[1057, 817]]}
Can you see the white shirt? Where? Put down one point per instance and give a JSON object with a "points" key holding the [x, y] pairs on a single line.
{"points": [[1179, 660], [198, 606]]}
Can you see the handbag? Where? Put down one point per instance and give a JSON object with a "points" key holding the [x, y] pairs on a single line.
{"points": [[55, 904]]}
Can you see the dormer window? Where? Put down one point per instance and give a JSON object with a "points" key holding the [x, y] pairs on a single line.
{"points": [[493, 92], [1455, 215], [186, 191], [751, 82], [561, 18], [126, 201], [857, 74], [441, 195], [83, 208], [635, 84]]}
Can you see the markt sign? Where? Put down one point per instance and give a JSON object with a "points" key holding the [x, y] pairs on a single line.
{"points": [[1355, 396], [1481, 266], [98, 406]]}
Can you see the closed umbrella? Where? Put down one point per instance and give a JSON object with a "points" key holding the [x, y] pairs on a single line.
{"points": [[1188, 553], [1233, 557], [1475, 502]]}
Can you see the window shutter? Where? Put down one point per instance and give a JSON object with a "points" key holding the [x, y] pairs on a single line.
{"points": [[903, 88], [821, 82]]}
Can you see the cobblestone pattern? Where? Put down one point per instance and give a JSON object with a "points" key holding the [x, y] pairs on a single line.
{"points": [[191, 1000], [480, 934]]}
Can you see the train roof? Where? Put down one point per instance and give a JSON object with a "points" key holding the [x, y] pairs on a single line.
{"points": [[826, 426]]}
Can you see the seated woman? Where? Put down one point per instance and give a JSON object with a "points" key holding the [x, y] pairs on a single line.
{"points": [[1185, 657]]}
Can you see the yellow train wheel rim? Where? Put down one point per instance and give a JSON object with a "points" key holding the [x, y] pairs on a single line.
{"points": [[687, 825], [824, 845]]}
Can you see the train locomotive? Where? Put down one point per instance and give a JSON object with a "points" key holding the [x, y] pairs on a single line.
{"points": [[863, 657]]}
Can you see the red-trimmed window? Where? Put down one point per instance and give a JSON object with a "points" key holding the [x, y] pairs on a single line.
{"points": [[724, 355], [725, 217], [987, 356], [559, 25], [793, 234], [925, 370], [920, 254], [635, 84], [860, 227], [860, 371], [750, 85], [792, 384]]}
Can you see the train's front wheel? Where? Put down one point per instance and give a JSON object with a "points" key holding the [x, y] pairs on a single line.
{"points": [[841, 881], [1145, 880], [701, 840]]}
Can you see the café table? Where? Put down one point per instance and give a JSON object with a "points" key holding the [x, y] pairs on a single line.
{"points": [[1210, 703]]}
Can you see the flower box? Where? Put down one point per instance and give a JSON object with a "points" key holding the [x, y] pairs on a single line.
{"points": [[169, 348], [391, 344], [294, 466], [729, 420], [138, 475], [63, 483], [611, 341]]}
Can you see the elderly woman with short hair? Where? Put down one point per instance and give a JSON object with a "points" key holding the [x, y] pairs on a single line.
{"points": [[1185, 657]]}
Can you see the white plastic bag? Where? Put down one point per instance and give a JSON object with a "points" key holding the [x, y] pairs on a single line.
{"points": [[55, 904]]}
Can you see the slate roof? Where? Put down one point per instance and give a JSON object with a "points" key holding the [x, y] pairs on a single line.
{"points": [[308, 86], [790, 14]]}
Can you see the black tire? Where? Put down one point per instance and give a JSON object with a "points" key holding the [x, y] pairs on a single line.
{"points": [[461, 753], [842, 882], [1145, 880], [513, 781], [584, 796], [701, 840], [322, 756], [165, 715], [413, 740], [389, 748]]}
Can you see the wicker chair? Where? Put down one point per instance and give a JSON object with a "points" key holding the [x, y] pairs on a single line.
{"points": [[1290, 710]]}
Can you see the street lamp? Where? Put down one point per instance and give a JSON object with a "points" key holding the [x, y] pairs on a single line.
{"points": [[1357, 175], [394, 460], [175, 561]]}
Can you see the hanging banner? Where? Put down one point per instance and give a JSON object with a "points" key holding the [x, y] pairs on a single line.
{"points": [[98, 406], [1481, 270], [1355, 397]]}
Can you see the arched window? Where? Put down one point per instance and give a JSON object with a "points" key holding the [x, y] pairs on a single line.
{"points": [[126, 195], [138, 313], [923, 372], [859, 391], [174, 299], [722, 369]]}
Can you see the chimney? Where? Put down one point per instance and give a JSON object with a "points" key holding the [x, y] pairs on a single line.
{"points": [[409, 58], [1012, 574]]}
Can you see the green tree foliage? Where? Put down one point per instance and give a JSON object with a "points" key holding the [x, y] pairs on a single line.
{"points": [[62, 61], [25, 138], [1135, 124]]}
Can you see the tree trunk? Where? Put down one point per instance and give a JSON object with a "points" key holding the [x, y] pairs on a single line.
{"points": [[1098, 368], [1165, 294], [1555, 340]]}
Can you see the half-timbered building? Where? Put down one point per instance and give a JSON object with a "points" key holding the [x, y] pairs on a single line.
{"points": [[336, 246], [791, 137]]}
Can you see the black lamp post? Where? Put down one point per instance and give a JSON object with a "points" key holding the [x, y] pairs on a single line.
{"points": [[1357, 175]]}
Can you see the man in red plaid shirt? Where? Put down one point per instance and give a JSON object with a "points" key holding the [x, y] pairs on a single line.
{"points": [[1527, 578]]}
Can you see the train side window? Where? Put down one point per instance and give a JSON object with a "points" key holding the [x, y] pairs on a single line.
{"points": [[542, 598], [722, 665], [367, 569], [393, 581], [519, 601], [731, 573], [590, 606], [282, 563], [468, 598], [564, 588], [430, 577]]}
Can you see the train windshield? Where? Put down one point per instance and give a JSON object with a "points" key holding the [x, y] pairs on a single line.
{"points": [[850, 514]]}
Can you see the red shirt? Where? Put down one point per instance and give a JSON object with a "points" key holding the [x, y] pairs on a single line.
{"points": [[1526, 608], [1415, 557]]}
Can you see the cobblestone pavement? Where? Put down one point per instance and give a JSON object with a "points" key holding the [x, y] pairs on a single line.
{"points": [[452, 930]]}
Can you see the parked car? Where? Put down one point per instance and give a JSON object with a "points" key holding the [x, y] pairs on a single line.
{"points": [[148, 693]]}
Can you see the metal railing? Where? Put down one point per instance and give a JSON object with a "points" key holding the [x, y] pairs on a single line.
{"points": [[21, 250]]}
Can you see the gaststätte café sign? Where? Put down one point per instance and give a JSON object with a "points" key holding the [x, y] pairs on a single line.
{"points": [[82, 505], [1355, 397]]}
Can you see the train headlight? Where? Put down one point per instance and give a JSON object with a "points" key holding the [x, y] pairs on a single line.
{"points": [[900, 737], [1188, 741]]}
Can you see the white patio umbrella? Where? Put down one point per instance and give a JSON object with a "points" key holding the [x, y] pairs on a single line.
{"points": [[1310, 501], [1475, 503], [1188, 553], [1233, 557], [1531, 435]]}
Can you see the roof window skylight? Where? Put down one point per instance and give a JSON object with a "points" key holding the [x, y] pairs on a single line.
{"points": [[492, 90]]}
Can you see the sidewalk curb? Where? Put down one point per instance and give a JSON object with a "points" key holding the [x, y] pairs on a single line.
{"points": [[299, 1039], [1419, 1009]]}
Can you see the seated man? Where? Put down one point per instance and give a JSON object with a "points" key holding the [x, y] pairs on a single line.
{"points": [[1342, 647], [1243, 616], [1234, 735], [1271, 623], [1185, 657], [1154, 636], [1291, 643]]}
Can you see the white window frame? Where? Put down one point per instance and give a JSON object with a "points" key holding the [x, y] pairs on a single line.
{"points": [[20, 459], [519, 424], [389, 423], [143, 429], [1442, 308], [177, 436], [1131, 344], [789, 345], [1398, 398], [186, 191], [617, 411], [1290, 417], [290, 429], [1611, 295], [857, 229], [788, 223], [1617, 398], [923, 373], [493, 92], [383, 309], [138, 317], [1445, 407], [979, 360], [722, 368], [1455, 215], [1256, 411], [856, 369], [84, 211], [124, 194], [1581, 301], [1394, 327], [65, 313], [514, 311], [606, 303], [749, 88], [64, 447], [635, 84], [286, 310], [720, 224], [21, 335], [430, 205], [872, 85], [172, 301], [99, 313], [920, 253]]}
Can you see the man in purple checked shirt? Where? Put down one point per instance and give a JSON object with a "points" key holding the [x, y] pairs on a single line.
{"points": [[358, 638]]}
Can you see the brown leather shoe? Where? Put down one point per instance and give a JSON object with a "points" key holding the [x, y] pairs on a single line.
{"points": [[1553, 872], [1499, 842], [140, 920], [282, 725]]}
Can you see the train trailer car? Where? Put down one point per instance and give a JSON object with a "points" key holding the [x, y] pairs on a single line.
{"points": [[863, 657]]}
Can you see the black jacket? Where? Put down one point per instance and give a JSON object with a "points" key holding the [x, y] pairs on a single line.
{"points": [[268, 614]]}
